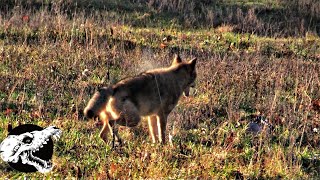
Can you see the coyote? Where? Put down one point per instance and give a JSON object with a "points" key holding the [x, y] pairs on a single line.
{"points": [[153, 93]]}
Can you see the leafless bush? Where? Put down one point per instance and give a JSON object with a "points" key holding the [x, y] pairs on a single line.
{"points": [[304, 7]]}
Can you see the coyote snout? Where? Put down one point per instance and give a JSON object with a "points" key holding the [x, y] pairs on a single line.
{"points": [[153, 93]]}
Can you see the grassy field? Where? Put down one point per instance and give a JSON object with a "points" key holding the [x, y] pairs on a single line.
{"points": [[256, 60]]}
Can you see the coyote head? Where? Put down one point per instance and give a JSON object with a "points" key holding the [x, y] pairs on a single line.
{"points": [[98, 102], [189, 70]]}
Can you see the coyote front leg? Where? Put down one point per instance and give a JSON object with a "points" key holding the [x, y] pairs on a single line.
{"points": [[109, 127], [115, 135], [157, 128], [106, 127], [153, 127], [162, 123]]}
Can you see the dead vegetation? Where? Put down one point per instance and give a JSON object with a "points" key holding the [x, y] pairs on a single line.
{"points": [[256, 61]]}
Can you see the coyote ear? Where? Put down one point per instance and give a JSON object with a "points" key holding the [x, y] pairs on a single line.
{"points": [[176, 60], [193, 63]]}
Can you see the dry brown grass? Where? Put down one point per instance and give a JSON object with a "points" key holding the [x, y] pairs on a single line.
{"points": [[44, 51]]}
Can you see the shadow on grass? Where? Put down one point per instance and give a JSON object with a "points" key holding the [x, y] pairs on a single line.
{"points": [[311, 165]]}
